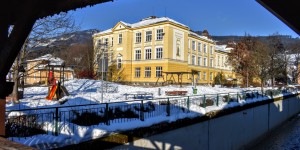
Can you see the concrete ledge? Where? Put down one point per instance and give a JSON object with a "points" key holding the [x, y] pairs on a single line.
{"points": [[7, 144], [121, 138]]}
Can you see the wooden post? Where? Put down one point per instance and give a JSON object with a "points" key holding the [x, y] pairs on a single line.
{"points": [[2, 117]]}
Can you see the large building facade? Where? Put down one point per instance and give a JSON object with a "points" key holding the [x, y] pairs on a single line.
{"points": [[153, 48]]}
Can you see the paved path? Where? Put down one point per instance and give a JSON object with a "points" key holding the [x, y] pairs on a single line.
{"points": [[286, 137]]}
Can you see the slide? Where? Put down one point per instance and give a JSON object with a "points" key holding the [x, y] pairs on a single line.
{"points": [[52, 92], [65, 91]]}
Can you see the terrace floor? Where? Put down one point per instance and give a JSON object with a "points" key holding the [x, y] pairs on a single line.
{"points": [[7, 144]]}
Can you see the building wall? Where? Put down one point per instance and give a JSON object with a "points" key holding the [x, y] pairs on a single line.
{"points": [[34, 76], [177, 52]]}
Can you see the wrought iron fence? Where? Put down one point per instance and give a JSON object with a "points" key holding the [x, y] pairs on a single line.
{"points": [[65, 120]]}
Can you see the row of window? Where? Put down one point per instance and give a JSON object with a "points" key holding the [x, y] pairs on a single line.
{"points": [[138, 37], [148, 36], [158, 72], [199, 62], [199, 47], [211, 76], [148, 53]]}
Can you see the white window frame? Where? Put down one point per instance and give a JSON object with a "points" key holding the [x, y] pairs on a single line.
{"points": [[211, 50], [199, 47], [194, 45], [204, 75], [159, 34], [199, 61], [138, 54], [204, 48], [158, 71], [222, 61], [119, 62], [193, 60], [120, 38], [159, 52], [148, 36], [106, 41], [211, 62], [137, 72], [148, 54], [138, 37], [147, 72], [204, 61], [211, 76]]}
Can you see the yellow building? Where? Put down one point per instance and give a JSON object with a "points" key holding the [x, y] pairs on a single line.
{"points": [[145, 51], [37, 70]]}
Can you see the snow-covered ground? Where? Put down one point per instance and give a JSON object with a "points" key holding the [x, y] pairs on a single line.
{"points": [[83, 91]]}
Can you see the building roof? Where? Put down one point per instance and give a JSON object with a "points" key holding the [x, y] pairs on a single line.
{"points": [[153, 20], [223, 48], [144, 22], [53, 61], [200, 36]]}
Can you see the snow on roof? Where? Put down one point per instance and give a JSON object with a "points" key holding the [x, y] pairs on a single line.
{"points": [[54, 61], [223, 48], [153, 20], [200, 36], [103, 32], [145, 22]]}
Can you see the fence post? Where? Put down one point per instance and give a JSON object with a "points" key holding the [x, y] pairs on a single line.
{"points": [[204, 101], [56, 121], [256, 94], [237, 96], [106, 114], [217, 99], [188, 104], [142, 111], [168, 107], [271, 94], [228, 98]]}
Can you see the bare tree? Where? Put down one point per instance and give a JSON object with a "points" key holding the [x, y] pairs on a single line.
{"points": [[261, 62], [44, 28], [278, 61], [240, 58], [80, 57], [295, 52]]}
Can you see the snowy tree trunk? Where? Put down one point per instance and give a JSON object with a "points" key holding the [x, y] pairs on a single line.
{"points": [[15, 94]]}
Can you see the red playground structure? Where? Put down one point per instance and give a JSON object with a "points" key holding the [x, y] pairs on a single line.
{"points": [[55, 89]]}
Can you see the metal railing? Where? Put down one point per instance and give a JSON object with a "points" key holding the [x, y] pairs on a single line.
{"points": [[65, 120]]}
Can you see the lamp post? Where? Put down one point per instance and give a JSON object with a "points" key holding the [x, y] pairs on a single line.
{"points": [[102, 66]]}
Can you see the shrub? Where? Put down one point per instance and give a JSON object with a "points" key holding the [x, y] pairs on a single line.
{"points": [[23, 126]]}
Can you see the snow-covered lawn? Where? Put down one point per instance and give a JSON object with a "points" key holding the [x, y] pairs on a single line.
{"points": [[83, 91]]}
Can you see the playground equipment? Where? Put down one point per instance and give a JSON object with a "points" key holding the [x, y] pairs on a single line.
{"points": [[56, 89]]}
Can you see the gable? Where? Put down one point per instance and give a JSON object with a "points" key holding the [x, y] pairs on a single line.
{"points": [[120, 26]]}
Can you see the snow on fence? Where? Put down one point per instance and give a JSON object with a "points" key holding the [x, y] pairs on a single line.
{"points": [[66, 120]]}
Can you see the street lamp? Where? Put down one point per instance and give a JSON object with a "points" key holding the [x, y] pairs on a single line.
{"points": [[104, 50]]}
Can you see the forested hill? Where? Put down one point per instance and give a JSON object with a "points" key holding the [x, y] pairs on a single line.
{"points": [[286, 39]]}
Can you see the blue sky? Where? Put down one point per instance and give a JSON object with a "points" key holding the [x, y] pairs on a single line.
{"points": [[219, 17]]}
